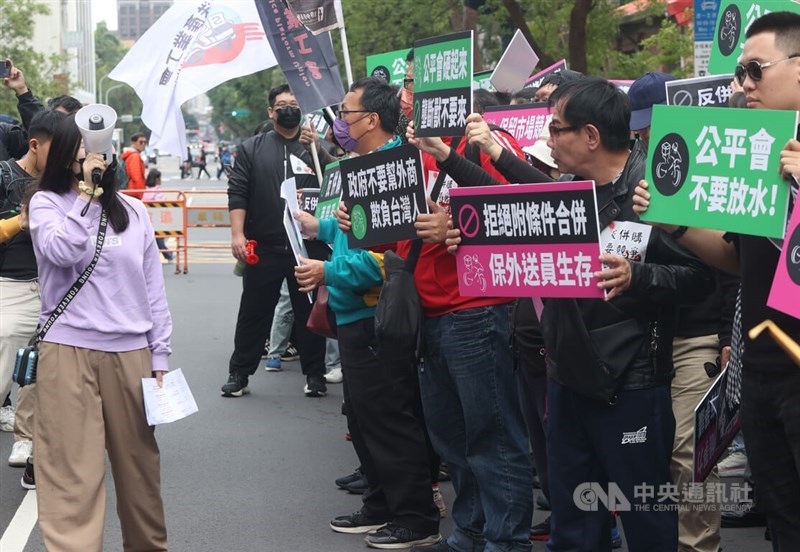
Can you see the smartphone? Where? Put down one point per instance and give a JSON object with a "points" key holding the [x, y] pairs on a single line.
{"points": [[5, 69]]}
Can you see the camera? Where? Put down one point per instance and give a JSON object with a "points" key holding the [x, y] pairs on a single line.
{"points": [[5, 70]]}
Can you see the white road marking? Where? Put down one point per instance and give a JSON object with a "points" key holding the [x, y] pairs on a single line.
{"points": [[19, 530]]}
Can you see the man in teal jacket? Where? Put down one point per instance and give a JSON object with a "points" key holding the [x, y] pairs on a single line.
{"points": [[381, 390]]}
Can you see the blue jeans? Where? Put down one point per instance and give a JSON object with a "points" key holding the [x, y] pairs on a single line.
{"points": [[469, 396], [282, 322]]}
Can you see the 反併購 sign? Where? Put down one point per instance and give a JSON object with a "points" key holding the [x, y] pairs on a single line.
{"points": [[527, 240], [718, 168]]}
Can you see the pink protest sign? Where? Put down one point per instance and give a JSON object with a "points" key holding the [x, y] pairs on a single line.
{"points": [[528, 240], [524, 122], [536, 80], [785, 293]]}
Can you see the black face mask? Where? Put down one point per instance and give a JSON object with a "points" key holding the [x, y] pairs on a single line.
{"points": [[289, 117]]}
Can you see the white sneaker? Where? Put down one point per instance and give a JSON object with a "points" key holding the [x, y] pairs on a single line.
{"points": [[20, 452], [733, 465], [334, 376], [7, 416]]}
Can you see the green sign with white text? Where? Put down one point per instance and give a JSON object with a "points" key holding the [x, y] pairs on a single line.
{"points": [[443, 84], [733, 20], [330, 192], [718, 168], [390, 66]]}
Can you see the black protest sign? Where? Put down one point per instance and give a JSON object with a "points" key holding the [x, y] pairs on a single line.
{"points": [[711, 91], [317, 16], [308, 198], [384, 192], [443, 84], [307, 61], [318, 122], [716, 423]]}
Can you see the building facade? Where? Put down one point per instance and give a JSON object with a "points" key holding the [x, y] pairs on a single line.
{"points": [[67, 30], [134, 17]]}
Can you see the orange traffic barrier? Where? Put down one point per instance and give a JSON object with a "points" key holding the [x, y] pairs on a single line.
{"points": [[174, 216]]}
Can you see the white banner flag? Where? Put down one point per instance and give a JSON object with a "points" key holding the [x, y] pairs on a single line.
{"points": [[195, 46]]}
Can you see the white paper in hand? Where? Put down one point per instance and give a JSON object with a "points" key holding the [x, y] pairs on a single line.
{"points": [[169, 403]]}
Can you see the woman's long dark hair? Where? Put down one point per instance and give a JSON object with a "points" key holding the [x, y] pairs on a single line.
{"points": [[57, 176]]}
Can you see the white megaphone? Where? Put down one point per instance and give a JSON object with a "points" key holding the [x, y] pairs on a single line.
{"points": [[96, 123]]}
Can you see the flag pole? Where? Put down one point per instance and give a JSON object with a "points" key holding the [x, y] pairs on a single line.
{"points": [[346, 53], [345, 49]]}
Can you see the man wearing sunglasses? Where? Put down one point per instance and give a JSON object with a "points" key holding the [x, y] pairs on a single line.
{"points": [[769, 73]]}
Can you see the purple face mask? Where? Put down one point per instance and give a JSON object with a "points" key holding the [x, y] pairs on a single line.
{"points": [[341, 130]]}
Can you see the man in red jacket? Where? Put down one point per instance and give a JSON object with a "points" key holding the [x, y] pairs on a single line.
{"points": [[469, 394], [134, 166]]}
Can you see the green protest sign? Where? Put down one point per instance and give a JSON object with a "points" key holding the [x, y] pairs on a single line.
{"points": [[482, 80], [733, 20], [390, 66], [330, 192], [443, 84], [718, 168]]}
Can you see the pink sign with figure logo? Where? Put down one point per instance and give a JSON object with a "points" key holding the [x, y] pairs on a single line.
{"points": [[528, 240], [785, 293]]}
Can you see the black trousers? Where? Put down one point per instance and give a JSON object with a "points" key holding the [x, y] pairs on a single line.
{"points": [[384, 417], [770, 414], [261, 291]]}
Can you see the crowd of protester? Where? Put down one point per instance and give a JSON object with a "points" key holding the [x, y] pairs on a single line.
{"points": [[498, 385]]}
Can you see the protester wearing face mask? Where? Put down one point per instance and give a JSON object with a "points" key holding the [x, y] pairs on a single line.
{"points": [[381, 390], [256, 210]]}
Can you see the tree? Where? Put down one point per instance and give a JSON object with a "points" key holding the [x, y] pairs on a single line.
{"points": [[16, 20], [250, 93], [109, 51]]}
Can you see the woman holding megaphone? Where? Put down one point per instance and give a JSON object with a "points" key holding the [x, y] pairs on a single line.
{"points": [[104, 326]]}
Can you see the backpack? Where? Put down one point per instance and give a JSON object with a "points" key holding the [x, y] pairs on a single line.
{"points": [[122, 175], [398, 315]]}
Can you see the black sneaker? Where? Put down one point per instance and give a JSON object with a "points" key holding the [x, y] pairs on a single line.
{"points": [[393, 537], [28, 481], [343, 482], [265, 354], [315, 386], [541, 531], [290, 354], [356, 523], [236, 386], [359, 486]]}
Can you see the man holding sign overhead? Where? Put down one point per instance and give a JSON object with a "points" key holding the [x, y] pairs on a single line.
{"points": [[769, 72]]}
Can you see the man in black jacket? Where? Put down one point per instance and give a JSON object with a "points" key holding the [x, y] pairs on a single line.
{"points": [[769, 73], [256, 210], [619, 446]]}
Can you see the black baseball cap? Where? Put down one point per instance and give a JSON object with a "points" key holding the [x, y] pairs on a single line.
{"points": [[646, 92]]}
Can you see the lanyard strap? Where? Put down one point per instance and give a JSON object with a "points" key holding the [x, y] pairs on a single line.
{"points": [[76, 287]]}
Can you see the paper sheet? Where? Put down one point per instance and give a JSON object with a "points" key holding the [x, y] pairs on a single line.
{"points": [[295, 239], [289, 193], [169, 403]]}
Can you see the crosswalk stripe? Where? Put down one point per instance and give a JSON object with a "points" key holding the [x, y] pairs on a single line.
{"points": [[19, 530]]}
